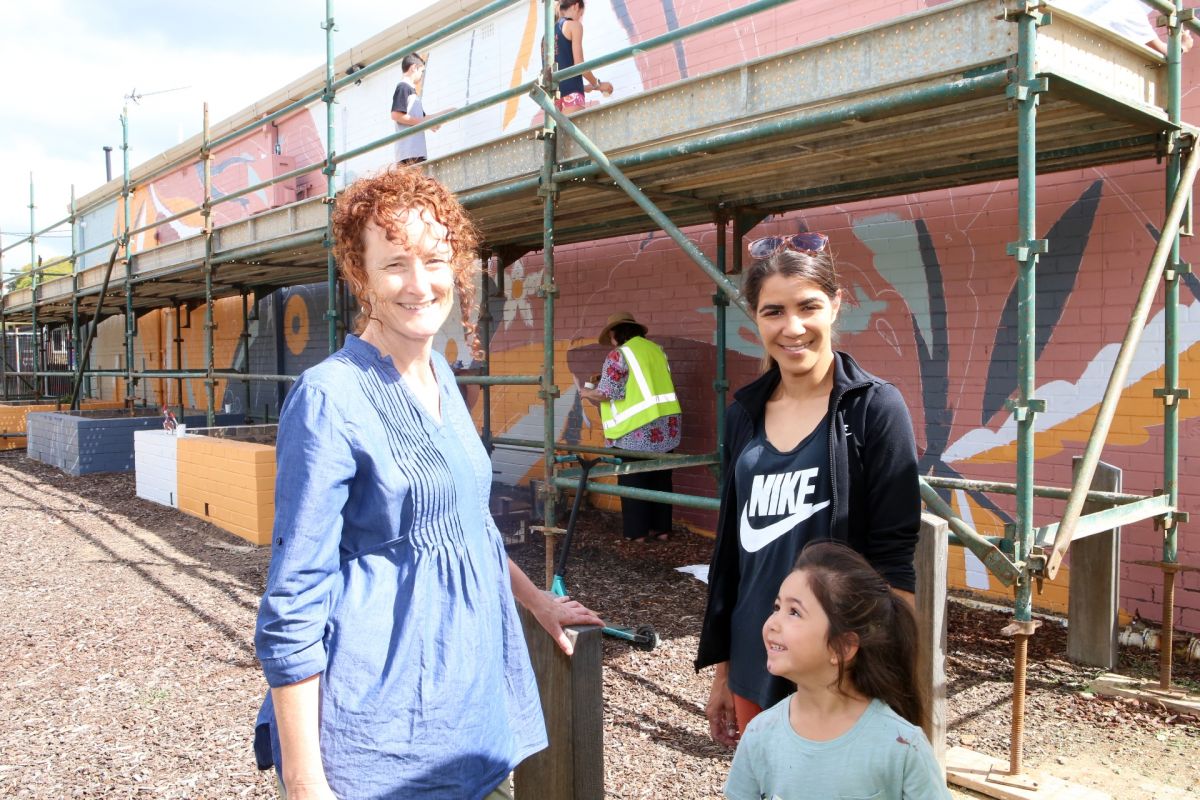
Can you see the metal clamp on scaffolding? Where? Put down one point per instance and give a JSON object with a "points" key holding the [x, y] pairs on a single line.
{"points": [[1027, 90], [1023, 250], [1030, 8], [1023, 412], [1173, 271], [1171, 395]]}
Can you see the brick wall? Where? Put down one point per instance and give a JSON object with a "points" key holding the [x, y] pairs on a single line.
{"points": [[932, 285]]}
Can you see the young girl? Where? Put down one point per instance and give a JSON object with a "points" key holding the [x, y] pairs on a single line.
{"points": [[568, 51], [855, 725]]}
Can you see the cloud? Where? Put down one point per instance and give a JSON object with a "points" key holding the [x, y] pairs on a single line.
{"points": [[75, 62]]}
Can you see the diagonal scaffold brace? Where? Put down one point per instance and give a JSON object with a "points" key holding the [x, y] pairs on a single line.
{"points": [[1120, 371]]}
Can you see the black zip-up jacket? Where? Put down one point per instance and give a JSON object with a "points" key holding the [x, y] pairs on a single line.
{"points": [[876, 502]]}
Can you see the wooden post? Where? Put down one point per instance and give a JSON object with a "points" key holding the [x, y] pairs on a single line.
{"points": [[573, 705], [1094, 591], [930, 562]]}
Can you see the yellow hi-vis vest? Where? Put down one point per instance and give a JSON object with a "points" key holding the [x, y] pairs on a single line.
{"points": [[649, 392]]}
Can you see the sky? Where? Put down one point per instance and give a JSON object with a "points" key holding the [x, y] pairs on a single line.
{"points": [[70, 64]]}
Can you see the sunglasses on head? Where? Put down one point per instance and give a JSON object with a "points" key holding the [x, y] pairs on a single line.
{"points": [[800, 242]]}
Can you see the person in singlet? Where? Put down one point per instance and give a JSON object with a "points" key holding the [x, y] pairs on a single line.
{"points": [[568, 51]]}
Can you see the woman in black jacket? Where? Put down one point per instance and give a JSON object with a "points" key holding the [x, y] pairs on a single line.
{"points": [[816, 448]]}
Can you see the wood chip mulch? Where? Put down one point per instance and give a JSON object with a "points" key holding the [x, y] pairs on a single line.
{"points": [[131, 670]]}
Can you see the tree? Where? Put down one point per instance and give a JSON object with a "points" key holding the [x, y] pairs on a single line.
{"points": [[56, 270]]}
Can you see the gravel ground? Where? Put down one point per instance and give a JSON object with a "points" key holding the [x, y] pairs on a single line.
{"points": [[132, 671]]}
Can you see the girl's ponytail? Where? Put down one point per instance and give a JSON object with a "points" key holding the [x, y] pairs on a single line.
{"points": [[864, 612]]}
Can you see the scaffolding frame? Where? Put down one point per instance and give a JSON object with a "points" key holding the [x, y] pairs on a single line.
{"points": [[1024, 557]]}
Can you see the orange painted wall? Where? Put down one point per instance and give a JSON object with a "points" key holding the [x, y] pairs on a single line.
{"points": [[154, 348]]}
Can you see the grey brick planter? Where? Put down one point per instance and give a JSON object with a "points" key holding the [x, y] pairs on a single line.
{"points": [[82, 442]]}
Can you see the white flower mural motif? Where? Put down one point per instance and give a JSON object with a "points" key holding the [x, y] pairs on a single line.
{"points": [[520, 287]]}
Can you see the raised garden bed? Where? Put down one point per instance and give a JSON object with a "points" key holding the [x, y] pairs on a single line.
{"points": [[87, 441]]}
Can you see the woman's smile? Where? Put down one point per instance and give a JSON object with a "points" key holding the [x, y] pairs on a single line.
{"points": [[418, 307], [795, 320]]}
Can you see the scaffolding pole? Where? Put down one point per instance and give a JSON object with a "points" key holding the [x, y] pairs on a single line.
{"points": [[720, 310], [548, 290], [1171, 392], [3, 349], [86, 350], [330, 170], [3, 332], [245, 342], [126, 191], [178, 342], [210, 388], [992, 557], [34, 274], [646, 204], [485, 336], [1120, 371], [650, 495], [1024, 92], [74, 287]]}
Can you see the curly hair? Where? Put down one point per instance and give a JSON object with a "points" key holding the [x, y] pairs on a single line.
{"points": [[379, 199]]}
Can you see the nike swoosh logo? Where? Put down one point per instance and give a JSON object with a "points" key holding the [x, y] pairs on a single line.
{"points": [[755, 539]]}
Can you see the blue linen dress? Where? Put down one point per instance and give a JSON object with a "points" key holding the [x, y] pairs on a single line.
{"points": [[389, 577]]}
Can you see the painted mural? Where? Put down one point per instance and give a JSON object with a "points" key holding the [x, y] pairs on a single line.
{"points": [[932, 292]]}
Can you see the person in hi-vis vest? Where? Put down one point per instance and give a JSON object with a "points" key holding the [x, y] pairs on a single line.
{"points": [[639, 411]]}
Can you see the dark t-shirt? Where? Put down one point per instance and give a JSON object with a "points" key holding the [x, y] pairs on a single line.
{"points": [[782, 505], [406, 100], [403, 97]]}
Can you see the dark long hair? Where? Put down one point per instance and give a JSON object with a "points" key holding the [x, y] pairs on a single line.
{"points": [[860, 604]]}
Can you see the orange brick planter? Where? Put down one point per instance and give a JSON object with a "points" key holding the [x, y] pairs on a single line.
{"points": [[228, 483]]}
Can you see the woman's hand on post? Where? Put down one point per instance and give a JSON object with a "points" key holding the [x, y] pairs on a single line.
{"points": [[555, 613], [551, 611], [722, 721]]}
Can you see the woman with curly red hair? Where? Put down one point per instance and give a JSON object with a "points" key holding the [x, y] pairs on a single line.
{"points": [[387, 630]]}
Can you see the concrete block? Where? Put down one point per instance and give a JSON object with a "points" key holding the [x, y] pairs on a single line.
{"points": [[155, 467]]}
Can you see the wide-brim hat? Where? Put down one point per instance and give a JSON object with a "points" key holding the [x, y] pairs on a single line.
{"points": [[621, 317]]}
